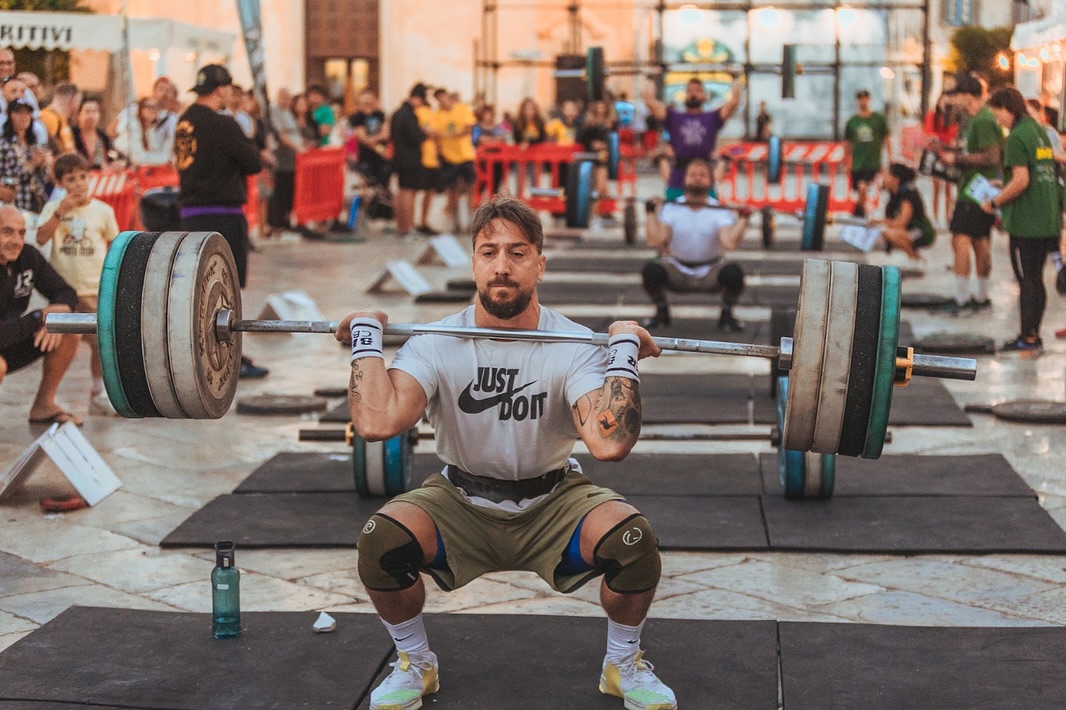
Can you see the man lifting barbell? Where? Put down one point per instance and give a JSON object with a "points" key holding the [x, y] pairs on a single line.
{"points": [[693, 236], [509, 497]]}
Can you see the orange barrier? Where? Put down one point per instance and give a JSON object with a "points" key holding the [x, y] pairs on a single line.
{"points": [[745, 180], [117, 189], [543, 165], [318, 194]]}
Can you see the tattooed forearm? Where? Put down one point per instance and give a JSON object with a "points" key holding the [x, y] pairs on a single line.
{"points": [[353, 383], [621, 418], [583, 409]]}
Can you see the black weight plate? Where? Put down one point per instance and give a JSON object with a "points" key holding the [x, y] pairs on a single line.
{"points": [[923, 300], [863, 359], [595, 73], [280, 404], [1035, 411], [955, 344], [774, 161], [331, 392], [128, 324], [629, 223], [769, 227]]}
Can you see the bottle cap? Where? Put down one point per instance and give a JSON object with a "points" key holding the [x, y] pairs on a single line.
{"points": [[224, 553]]}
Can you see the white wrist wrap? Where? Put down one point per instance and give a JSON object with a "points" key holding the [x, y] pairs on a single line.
{"points": [[622, 350], [366, 338]]}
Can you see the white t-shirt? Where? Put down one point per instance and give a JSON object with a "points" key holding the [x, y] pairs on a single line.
{"points": [[80, 243], [503, 409], [694, 235]]}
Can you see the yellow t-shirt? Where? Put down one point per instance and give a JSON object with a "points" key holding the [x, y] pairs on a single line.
{"points": [[456, 144], [425, 117], [559, 132], [58, 128], [80, 243]]}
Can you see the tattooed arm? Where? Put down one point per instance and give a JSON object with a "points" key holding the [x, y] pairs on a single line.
{"points": [[609, 419], [382, 402]]}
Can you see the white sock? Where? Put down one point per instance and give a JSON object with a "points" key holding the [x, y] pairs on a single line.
{"points": [[1056, 259], [409, 636], [962, 289], [622, 641], [982, 288], [98, 386]]}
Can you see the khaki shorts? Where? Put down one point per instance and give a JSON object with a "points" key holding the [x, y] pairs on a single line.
{"points": [[87, 304], [479, 540], [681, 282]]}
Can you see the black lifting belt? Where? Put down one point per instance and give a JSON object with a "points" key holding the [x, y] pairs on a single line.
{"points": [[498, 490]]}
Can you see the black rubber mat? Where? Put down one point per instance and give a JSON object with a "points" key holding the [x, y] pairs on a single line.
{"points": [[487, 662], [638, 474], [553, 293], [912, 524], [146, 659], [705, 523], [828, 666], [724, 398], [915, 475], [757, 332]]}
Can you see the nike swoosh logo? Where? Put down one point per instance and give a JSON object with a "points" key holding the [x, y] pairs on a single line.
{"points": [[470, 405], [403, 639]]}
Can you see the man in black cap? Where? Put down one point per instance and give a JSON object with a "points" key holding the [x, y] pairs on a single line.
{"points": [[971, 226], [214, 159], [407, 137]]}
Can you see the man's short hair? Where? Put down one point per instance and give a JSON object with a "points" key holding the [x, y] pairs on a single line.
{"points": [[66, 90], [862, 94], [67, 163], [440, 91], [317, 89], [966, 84], [510, 209], [698, 82], [418, 91]]}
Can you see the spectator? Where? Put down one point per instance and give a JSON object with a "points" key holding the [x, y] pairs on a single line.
{"points": [[906, 225], [14, 89], [595, 137], [693, 132], [142, 141], [32, 83], [371, 135], [23, 162], [942, 126], [264, 184], [455, 123], [564, 129], [23, 337], [90, 140], [489, 132], [1050, 108], [763, 124], [321, 113], [865, 138], [81, 229], [407, 136], [57, 116], [234, 106], [7, 71], [529, 124], [290, 142], [1039, 114], [430, 167], [302, 113], [7, 64]]}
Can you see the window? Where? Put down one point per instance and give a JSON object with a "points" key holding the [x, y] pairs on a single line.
{"points": [[959, 13]]}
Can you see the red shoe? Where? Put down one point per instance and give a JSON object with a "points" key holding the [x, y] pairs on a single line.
{"points": [[1061, 333]]}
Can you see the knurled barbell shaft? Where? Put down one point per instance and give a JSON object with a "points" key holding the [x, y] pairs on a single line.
{"points": [[940, 366]]}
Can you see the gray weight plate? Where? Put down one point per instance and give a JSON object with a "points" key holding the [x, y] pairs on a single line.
{"points": [[375, 469], [1036, 411], [203, 368], [280, 404], [808, 347], [836, 362], [155, 325]]}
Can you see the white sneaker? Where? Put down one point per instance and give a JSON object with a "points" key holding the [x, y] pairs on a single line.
{"points": [[407, 684], [100, 405], [634, 682]]}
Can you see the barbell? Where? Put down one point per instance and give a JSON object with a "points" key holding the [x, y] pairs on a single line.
{"points": [[169, 329]]}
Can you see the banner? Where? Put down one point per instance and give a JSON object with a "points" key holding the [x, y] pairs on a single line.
{"points": [[253, 44]]}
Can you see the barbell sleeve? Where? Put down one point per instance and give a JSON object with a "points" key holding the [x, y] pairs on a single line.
{"points": [[940, 366]]}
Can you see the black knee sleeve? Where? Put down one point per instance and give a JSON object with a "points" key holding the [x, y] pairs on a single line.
{"points": [[731, 278], [389, 555], [629, 556], [654, 277]]}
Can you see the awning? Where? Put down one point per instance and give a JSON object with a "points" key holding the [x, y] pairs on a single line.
{"points": [[68, 30], [1038, 32]]}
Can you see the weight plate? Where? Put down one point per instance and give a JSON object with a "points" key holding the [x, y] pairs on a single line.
{"points": [[924, 300], [594, 73], [155, 323], [782, 325], [579, 194], [773, 164], [106, 326], [204, 368], [331, 392], [820, 485], [808, 349], [836, 360], [814, 217], [769, 227], [864, 344], [375, 469], [802, 474], [397, 464], [956, 344], [280, 404], [885, 370], [359, 466], [129, 321], [612, 156], [792, 467], [629, 223], [1037, 411]]}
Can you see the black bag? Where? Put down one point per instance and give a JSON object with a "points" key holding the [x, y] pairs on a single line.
{"points": [[159, 209], [379, 206]]}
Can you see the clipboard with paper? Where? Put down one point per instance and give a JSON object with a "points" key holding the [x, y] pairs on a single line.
{"points": [[980, 190]]}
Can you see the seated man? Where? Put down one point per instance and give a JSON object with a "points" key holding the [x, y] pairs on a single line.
{"points": [[510, 497], [692, 236], [23, 337]]}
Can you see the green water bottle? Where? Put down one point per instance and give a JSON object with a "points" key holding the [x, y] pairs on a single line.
{"points": [[225, 593]]}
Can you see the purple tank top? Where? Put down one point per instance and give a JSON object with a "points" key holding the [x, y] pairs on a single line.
{"points": [[692, 135]]}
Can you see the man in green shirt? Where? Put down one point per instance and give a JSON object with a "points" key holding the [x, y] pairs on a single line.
{"points": [[321, 113], [864, 140], [1031, 212], [971, 227]]}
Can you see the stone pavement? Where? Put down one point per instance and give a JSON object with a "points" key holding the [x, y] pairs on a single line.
{"points": [[109, 555]]}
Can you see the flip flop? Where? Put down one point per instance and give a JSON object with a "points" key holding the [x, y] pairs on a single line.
{"points": [[59, 417]]}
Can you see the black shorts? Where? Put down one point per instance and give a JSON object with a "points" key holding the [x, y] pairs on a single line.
{"points": [[451, 174], [416, 177], [866, 176], [20, 354], [969, 219]]}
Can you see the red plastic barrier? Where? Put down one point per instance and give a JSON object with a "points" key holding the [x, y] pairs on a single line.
{"points": [[116, 188], [319, 188], [745, 180]]}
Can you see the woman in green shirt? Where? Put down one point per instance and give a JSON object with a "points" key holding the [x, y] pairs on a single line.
{"points": [[1031, 213]]}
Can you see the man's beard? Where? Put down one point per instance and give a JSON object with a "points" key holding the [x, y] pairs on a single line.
{"points": [[504, 310], [696, 193]]}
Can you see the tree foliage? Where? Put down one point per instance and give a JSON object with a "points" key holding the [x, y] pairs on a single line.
{"points": [[976, 49]]}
